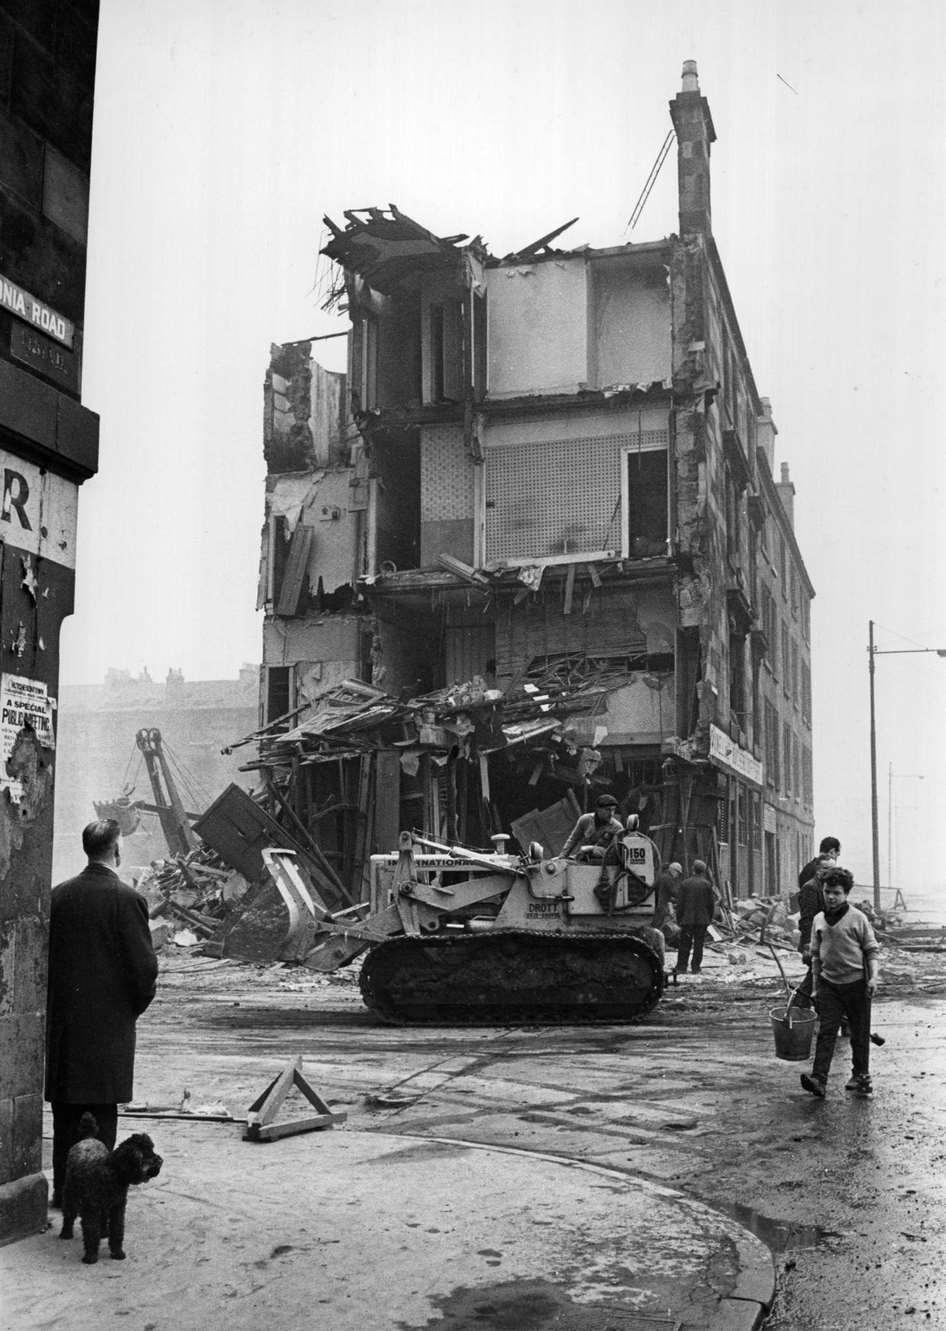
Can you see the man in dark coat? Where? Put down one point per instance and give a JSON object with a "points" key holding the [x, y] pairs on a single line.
{"points": [[666, 887], [696, 906], [102, 972]]}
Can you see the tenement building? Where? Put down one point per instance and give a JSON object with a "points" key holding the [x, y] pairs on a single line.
{"points": [[48, 446], [531, 546]]}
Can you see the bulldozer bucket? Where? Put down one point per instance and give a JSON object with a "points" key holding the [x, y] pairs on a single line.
{"points": [[306, 908]]}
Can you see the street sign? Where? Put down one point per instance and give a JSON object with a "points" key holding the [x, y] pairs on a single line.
{"points": [[18, 301], [40, 354]]}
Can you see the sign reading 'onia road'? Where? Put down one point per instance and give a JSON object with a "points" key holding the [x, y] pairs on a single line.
{"points": [[35, 312]]}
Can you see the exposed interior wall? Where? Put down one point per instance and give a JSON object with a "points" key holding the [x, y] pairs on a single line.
{"points": [[559, 485], [538, 328], [608, 623], [324, 644], [631, 341], [447, 495]]}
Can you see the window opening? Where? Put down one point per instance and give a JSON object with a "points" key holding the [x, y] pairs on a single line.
{"points": [[646, 503]]}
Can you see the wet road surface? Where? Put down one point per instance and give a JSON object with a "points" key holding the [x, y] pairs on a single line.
{"points": [[849, 1194]]}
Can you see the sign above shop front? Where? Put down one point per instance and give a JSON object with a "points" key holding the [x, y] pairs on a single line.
{"points": [[19, 302], [727, 754]]}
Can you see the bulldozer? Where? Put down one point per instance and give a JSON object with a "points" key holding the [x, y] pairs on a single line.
{"points": [[452, 935]]}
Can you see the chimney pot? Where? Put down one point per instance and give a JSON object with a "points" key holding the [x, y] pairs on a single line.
{"points": [[785, 476], [691, 81]]}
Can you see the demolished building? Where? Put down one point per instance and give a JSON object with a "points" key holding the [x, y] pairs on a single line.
{"points": [[531, 547]]}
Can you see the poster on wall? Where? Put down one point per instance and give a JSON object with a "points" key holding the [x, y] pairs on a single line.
{"points": [[23, 702]]}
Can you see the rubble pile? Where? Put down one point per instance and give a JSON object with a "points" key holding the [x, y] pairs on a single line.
{"points": [[191, 898]]}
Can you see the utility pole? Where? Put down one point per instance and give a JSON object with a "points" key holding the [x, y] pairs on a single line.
{"points": [[875, 839]]}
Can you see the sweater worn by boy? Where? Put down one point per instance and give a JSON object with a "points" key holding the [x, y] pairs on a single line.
{"points": [[843, 944]]}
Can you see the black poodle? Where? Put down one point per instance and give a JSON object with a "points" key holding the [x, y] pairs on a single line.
{"points": [[96, 1186]]}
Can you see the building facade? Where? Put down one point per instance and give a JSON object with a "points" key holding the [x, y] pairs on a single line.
{"points": [[548, 471], [100, 760], [49, 445]]}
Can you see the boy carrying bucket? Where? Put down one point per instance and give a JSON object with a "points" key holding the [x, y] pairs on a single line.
{"points": [[844, 973]]}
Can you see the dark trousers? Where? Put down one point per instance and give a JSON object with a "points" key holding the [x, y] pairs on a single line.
{"points": [[691, 935], [66, 1133], [837, 1003], [802, 996]]}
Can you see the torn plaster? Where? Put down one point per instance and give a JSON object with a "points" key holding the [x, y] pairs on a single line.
{"points": [[37, 510], [28, 582], [26, 791], [326, 638], [287, 495]]}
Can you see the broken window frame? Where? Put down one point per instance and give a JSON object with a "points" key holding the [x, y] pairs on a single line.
{"points": [[278, 693], [443, 350], [627, 452]]}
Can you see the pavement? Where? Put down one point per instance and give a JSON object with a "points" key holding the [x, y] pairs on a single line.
{"points": [[355, 1230]]}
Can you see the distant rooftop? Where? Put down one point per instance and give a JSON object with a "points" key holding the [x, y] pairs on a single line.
{"points": [[123, 692]]}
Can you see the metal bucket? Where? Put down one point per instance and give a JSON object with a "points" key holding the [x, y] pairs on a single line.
{"points": [[793, 1030]]}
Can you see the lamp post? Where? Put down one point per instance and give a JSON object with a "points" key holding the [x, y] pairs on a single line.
{"points": [[901, 776], [873, 652]]}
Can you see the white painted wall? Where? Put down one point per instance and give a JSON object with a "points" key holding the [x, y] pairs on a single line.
{"points": [[537, 320]]}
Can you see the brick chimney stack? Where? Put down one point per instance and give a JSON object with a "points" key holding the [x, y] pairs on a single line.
{"points": [[766, 431], [786, 492], [693, 125]]}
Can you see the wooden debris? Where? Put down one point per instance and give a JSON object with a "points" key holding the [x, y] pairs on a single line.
{"points": [[260, 1126]]}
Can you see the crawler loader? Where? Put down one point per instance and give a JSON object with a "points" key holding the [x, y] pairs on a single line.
{"points": [[453, 935]]}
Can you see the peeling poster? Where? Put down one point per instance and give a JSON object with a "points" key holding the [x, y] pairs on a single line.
{"points": [[23, 702]]}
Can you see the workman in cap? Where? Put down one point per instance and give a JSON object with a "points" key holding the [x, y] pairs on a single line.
{"points": [[594, 832], [696, 906], [666, 887]]}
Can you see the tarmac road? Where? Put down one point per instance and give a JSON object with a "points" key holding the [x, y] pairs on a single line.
{"points": [[847, 1194]]}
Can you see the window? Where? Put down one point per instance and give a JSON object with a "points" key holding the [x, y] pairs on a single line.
{"points": [[755, 820], [771, 746], [808, 790], [742, 815], [782, 567], [786, 663], [737, 679], [733, 525], [646, 503], [786, 760], [796, 767], [278, 692], [793, 583], [771, 631], [796, 691], [444, 376], [806, 692], [806, 619]]}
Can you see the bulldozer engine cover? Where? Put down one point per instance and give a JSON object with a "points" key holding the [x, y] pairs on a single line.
{"points": [[511, 976]]}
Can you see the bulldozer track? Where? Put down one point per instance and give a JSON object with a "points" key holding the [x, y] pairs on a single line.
{"points": [[512, 976]]}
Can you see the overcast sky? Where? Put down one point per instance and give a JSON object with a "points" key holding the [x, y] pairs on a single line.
{"points": [[225, 129]]}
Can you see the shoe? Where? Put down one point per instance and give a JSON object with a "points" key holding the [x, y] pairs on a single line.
{"points": [[878, 1040], [812, 1085], [695, 970], [861, 1083]]}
